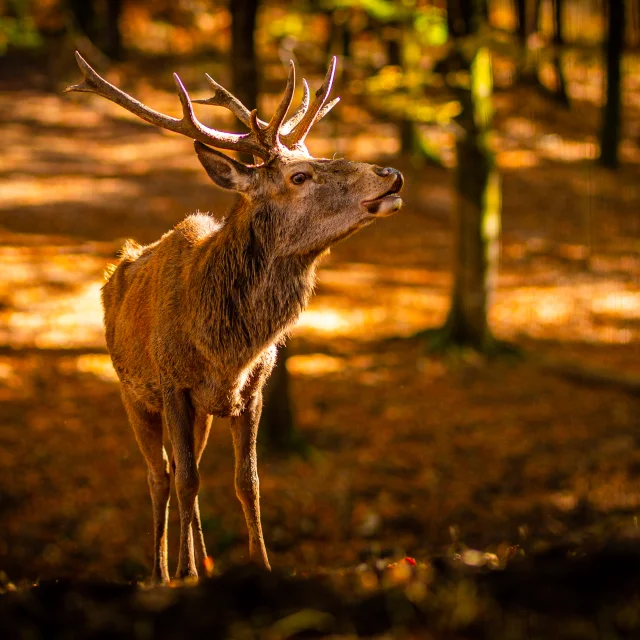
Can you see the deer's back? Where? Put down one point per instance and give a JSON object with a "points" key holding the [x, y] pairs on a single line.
{"points": [[146, 304]]}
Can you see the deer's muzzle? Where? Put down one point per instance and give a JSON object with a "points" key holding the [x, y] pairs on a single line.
{"points": [[389, 202]]}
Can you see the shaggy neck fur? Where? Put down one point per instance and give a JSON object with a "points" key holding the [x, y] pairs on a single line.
{"points": [[252, 295]]}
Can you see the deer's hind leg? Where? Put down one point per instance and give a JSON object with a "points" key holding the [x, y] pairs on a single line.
{"points": [[202, 426], [179, 418], [201, 429], [244, 431], [147, 428]]}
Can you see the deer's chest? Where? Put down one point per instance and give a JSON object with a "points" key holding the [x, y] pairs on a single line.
{"points": [[225, 394]]}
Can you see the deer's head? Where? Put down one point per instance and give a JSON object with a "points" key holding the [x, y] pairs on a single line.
{"points": [[306, 203]]}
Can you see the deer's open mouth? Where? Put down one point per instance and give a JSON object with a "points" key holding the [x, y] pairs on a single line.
{"points": [[389, 202]]}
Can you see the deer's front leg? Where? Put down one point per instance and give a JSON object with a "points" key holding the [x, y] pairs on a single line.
{"points": [[148, 431], [202, 426], [179, 419], [244, 430]]}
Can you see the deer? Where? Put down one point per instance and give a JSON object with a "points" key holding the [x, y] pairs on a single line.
{"points": [[193, 321]]}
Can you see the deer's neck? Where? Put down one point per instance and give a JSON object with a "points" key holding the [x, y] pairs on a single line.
{"points": [[249, 295]]}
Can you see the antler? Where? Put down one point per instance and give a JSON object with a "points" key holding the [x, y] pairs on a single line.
{"points": [[294, 138], [223, 98], [294, 131], [264, 140]]}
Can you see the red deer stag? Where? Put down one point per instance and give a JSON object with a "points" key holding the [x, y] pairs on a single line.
{"points": [[193, 321]]}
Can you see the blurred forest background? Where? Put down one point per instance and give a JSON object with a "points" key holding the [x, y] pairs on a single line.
{"points": [[467, 376]]}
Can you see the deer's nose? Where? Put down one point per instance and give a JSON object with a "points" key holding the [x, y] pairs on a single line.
{"points": [[384, 172]]}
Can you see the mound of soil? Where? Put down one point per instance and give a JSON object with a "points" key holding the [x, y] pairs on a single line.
{"points": [[563, 592]]}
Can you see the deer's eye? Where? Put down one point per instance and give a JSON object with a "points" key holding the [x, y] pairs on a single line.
{"points": [[299, 178]]}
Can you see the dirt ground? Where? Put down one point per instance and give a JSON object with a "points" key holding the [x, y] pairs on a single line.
{"points": [[411, 454]]}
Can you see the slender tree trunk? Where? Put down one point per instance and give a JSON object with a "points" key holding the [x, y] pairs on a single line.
{"points": [[634, 22], [453, 18], [483, 9], [114, 47], [535, 20], [394, 35], [477, 229], [528, 14], [558, 23], [85, 16], [521, 13], [339, 40], [464, 17], [244, 65], [100, 23], [276, 423], [477, 189], [277, 426], [339, 37], [560, 92], [345, 39], [476, 215], [393, 38], [611, 114]]}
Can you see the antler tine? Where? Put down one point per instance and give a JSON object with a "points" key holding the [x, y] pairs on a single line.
{"points": [[291, 123], [272, 131], [327, 107], [264, 146], [93, 83], [259, 132], [223, 98], [188, 125], [296, 136]]}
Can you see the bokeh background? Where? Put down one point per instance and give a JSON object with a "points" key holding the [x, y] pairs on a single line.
{"points": [[396, 423]]}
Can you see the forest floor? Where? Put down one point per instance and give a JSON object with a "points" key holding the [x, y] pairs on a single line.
{"points": [[467, 464]]}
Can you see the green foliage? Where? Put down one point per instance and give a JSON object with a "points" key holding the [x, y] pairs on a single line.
{"points": [[395, 90], [381, 10], [290, 24], [428, 151], [430, 25], [410, 92], [18, 30], [482, 88]]}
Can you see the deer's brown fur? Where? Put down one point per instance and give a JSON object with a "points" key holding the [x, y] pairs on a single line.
{"points": [[193, 321]]}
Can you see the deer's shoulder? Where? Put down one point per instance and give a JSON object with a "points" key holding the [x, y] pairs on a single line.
{"points": [[196, 227]]}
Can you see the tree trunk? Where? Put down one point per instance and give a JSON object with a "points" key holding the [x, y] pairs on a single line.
{"points": [[85, 16], [535, 20], [560, 92], [477, 230], [558, 23], [452, 17], [611, 115], [345, 39], [393, 34], [634, 22], [528, 20], [476, 215], [521, 13], [244, 65], [277, 425], [100, 23], [114, 37], [339, 39], [464, 17]]}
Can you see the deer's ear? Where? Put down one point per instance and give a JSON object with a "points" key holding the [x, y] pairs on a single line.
{"points": [[226, 172]]}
